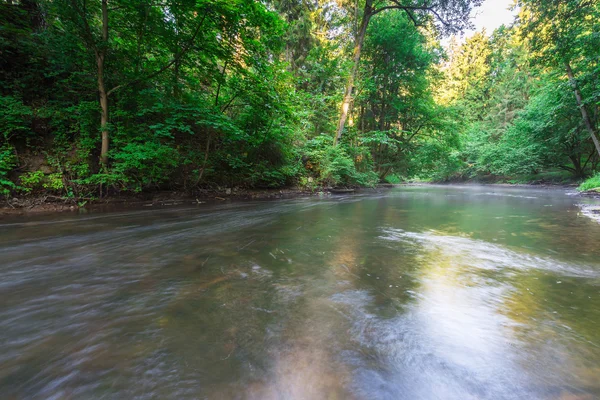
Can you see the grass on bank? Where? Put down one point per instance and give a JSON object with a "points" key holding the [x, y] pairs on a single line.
{"points": [[592, 183]]}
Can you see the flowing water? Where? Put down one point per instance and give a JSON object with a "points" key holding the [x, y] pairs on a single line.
{"points": [[418, 293]]}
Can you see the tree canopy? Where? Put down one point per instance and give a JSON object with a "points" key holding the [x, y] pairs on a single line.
{"points": [[111, 96]]}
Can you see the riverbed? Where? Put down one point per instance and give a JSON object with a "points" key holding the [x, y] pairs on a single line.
{"points": [[418, 293]]}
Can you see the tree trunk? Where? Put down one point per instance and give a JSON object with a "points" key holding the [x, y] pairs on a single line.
{"points": [[362, 119], [584, 114], [578, 171], [206, 150], [383, 106], [384, 173], [100, 56], [177, 66], [358, 44], [104, 112], [595, 160]]}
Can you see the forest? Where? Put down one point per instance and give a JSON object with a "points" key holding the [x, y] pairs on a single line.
{"points": [[104, 97]]}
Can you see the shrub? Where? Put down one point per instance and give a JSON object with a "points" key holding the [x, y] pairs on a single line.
{"points": [[393, 179], [7, 163], [54, 182], [31, 181], [145, 164], [37, 180], [334, 165], [15, 118], [591, 183]]}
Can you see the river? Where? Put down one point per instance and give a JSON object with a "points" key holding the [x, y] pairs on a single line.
{"points": [[418, 293]]}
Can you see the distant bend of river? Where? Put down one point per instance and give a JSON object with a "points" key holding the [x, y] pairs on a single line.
{"points": [[419, 293]]}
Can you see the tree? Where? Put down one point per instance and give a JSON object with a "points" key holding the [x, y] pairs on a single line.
{"points": [[564, 36], [468, 80], [395, 98], [547, 133], [92, 23], [451, 15]]}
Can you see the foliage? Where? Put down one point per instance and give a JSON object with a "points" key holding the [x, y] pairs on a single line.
{"points": [[399, 120], [145, 164], [591, 183], [16, 118], [31, 181], [37, 181], [7, 163], [222, 93], [335, 165], [518, 109], [393, 179]]}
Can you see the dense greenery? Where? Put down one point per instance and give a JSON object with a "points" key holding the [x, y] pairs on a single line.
{"points": [[530, 93], [103, 96], [592, 183]]}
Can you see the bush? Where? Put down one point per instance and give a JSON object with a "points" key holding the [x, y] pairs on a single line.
{"points": [[15, 118], [54, 182], [591, 183], [145, 164], [393, 179], [333, 166], [31, 181], [37, 180], [7, 163]]}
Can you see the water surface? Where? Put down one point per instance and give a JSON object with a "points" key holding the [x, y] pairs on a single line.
{"points": [[418, 293]]}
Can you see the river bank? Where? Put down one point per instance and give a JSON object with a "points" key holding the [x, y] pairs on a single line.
{"points": [[54, 204], [45, 204], [51, 204]]}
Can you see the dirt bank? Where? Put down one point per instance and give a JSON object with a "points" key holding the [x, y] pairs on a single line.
{"points": [[53, 204]]}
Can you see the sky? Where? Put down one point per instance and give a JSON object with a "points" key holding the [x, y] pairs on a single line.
{"points": [[491, 15]]}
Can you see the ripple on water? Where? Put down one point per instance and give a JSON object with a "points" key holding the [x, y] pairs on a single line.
{"points": [[481, 254]]}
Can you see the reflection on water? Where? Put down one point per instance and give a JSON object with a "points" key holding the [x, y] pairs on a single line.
{"points": [[419, 293]]}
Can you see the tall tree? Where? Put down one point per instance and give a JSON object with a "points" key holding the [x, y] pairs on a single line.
{"points": [[451, 16], [107, 30], [564, 36]]}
